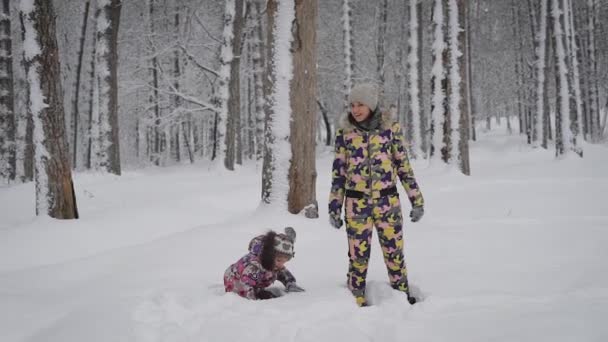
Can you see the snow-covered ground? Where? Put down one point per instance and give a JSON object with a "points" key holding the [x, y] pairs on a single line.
{"points": [[517, 252]]}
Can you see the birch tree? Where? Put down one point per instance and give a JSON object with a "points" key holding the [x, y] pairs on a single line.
{"points": [[54, 188], [107, 153], [276, 168], [438, 81]]}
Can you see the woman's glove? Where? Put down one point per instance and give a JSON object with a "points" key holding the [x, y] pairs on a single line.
{"points": [[335, 221]]}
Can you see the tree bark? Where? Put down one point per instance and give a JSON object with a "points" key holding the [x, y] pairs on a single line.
{"points": [[302, 172], [55, 194], [8, 162], [107, 66], [234, 85], [76, 99]]}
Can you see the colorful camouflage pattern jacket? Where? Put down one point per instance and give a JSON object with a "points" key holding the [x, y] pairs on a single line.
{"points": [[370, 161]]}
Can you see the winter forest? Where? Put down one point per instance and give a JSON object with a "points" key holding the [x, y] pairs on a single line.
{"points": [[107, 85], [145, 119]]}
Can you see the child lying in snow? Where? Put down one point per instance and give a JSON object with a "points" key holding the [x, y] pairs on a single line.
{"points": [[252, 274]]}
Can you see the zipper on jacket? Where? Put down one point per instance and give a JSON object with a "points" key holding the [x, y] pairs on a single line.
{"points": [[369, 163]]}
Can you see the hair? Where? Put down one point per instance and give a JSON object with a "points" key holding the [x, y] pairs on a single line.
{"points": [[268, 254]]}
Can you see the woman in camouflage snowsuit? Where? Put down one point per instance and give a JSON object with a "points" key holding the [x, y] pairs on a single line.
{"points": [[370, 156], [263, 265]]}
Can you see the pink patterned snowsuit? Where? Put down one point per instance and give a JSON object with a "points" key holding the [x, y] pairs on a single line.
{"points": [[247, 277]]}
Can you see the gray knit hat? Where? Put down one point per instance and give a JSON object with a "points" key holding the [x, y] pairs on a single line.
{"points": [[365, 93]]}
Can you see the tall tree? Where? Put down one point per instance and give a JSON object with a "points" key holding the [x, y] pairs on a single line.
{"points": [[7, 109], [258, 60], [281, 16], [563, 134], [438, 81], [270, 77], [229, 80], [302, 171], [461, 27], [415, 78], [381, 49], [349, 63], [542, 57], [108, 148], [54, 188], [76, 98]]}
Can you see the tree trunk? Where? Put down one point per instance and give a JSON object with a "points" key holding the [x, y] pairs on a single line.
{"points": [[325, 116], [381, 49], [258, 62], [463, 147], [54, 188], [107, 65], [231, 64], [563, 135], [75, 109], [468, 61], [7, 109], [349, 55], [415, 78], [92, 104], [438, 81], [154, 98], [269, 81], [302, 172]]}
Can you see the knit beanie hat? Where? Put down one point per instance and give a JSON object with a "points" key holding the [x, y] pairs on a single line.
{"points": [[283, 242], [365, 93]]}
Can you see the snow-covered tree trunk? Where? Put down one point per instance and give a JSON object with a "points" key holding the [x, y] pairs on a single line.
{"points": [[229, 80], [93, 117], [541, 73], [381, 49], [463, 122], [593, 120], [269, 161], [578, 125], [108, 20], [438, 81], [258, 74], [302, 171], [76, 98], [468, 61], [563, 134], [349, 62], [454, 79], [281, 15], [520, 69], [154, 142], [415, 78], [230, 94], [54, 188], [7, 110]]}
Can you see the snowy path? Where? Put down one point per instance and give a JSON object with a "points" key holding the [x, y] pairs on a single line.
{"points": [[515, 253]]}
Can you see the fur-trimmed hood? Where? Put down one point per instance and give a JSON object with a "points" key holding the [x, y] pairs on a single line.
{"points": [[386, 120]]}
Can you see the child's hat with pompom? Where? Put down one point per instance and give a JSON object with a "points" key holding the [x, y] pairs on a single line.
{"points": [[283, 242]]}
